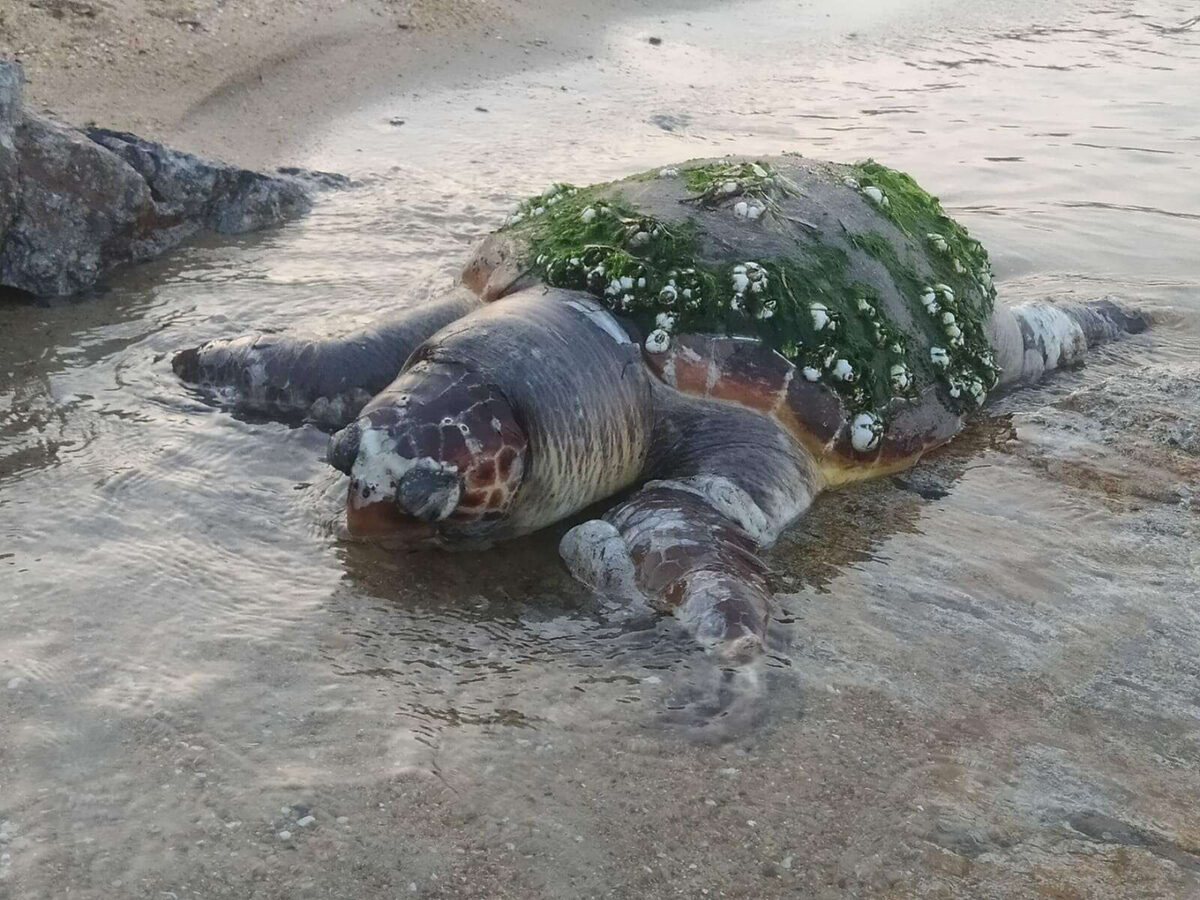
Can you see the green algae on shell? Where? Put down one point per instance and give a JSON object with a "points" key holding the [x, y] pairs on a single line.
{"points": [[959, 299], [804, 300]]}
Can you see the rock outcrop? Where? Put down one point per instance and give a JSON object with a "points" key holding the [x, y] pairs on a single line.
{"points": [[74, 204]]}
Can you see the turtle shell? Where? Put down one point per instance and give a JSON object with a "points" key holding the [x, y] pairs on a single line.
{"points": [[838, 298]]}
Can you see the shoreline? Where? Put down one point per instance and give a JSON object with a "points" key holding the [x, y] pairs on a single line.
{"points": [[249, 81]]}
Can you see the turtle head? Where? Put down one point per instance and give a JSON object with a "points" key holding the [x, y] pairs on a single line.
{"points": [[438, 456]]}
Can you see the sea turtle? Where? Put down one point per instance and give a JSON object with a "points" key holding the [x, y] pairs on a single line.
{"points": [[727, 336]]}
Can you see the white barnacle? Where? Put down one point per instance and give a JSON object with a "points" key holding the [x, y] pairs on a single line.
{"points": [[896, 349], [730, 187], [758, 170], [977, 391], [766, 310], [811, 374], [539, 210], [939, 357], [614, 288], [865, 306], [938, 242], [741, 209], [953, 331], [851, 182], [553, 200], [874, 194], [946, 291], [588, 215], [754, 212], [947, 318], [866, 429], [736, 303], [640, 239], [657, 341], [515, 218], [641, 282], [668, 172], [758, 277], [665, 321], [740, 279], [901, 377], [820, 316], [843, 371], [626, 282], [959, 267], [668, 294]]}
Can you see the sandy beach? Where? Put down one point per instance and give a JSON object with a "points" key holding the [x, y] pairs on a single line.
{"points": [[246, 80]]}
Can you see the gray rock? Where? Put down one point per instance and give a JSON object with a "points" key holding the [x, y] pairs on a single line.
{"points": [[11, 83], [214, 196], [79, 212], [76, 204]]}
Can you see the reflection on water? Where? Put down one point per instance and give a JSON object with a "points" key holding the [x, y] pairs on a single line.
{"points": [[965, 659]]}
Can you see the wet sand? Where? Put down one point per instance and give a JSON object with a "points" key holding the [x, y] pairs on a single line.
{"points": [[982, 677], [250, 80]]}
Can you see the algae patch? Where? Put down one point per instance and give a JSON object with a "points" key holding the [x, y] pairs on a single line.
{"points": [[804, 306]]}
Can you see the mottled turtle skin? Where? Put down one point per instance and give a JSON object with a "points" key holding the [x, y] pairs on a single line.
{"points": [[512, 403]]}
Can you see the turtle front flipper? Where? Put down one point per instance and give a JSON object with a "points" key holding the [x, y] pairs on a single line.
{"points": [[322, 380], [726, 482]]}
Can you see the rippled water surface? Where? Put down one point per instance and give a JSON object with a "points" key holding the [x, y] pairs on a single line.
{"points": [[983, 675]]}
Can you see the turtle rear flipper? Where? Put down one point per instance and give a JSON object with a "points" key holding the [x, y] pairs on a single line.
{"points": [[322, 380], [1038, 336], [727, 481]]}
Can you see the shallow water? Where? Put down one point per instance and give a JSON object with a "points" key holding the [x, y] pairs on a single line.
{"points": [[983, 675]]}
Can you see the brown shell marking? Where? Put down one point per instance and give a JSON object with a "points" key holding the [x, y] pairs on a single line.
{"points": [[746, 372]]}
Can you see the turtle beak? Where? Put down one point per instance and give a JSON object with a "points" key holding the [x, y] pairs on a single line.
{"points": [[388, 523], [426, 493]]}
